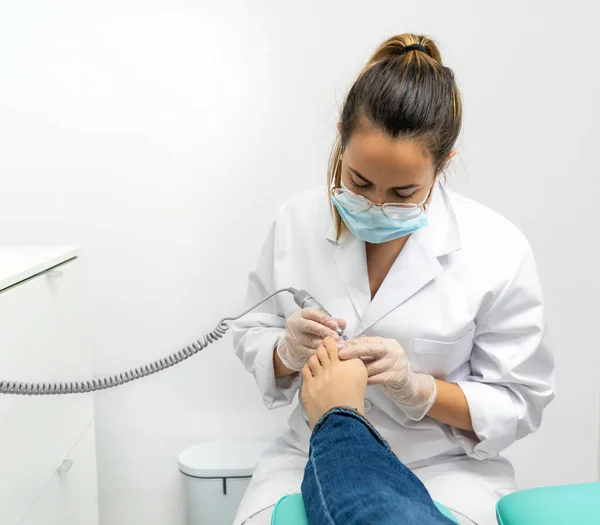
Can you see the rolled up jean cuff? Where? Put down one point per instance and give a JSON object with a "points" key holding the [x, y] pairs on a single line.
{"points": [[353, 413]]}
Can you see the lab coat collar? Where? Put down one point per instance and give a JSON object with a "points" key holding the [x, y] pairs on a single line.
{"points": [[417, 264], [442, 234]]}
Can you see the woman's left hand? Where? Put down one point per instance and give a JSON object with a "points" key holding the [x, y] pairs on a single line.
{"points": [[388, 365]]}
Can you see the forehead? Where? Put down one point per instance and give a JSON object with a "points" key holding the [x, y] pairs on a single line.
{"points": [[375, 154]]}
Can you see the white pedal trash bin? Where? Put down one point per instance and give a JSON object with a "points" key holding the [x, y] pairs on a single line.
{"points": [[216, 475]]}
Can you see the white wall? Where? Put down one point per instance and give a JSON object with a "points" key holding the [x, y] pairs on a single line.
{"points": [[164, 134]]}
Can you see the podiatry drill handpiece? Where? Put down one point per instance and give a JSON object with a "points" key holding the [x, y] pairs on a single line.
{"points": [[304, 300]]}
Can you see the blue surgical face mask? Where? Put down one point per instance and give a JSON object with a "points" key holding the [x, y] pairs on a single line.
{"points": [[372, 224]]}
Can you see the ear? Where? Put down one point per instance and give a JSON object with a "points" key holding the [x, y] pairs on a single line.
{"points": [[448, 159], [339, 126]]}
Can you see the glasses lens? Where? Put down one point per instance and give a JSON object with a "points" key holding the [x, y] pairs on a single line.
{"points": [[350, 201], [402, 211]]}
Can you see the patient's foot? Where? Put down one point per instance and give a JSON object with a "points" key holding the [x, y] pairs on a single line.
{"points": [[330, 383]]}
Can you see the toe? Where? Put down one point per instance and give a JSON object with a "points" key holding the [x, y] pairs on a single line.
{"points": [[332, 349], [307, 374], [315, 365], [323, 355]]}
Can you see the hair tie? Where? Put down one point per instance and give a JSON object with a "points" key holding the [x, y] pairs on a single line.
{"points": [[415, 47]]}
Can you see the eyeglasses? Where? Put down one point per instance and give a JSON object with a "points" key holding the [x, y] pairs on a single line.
{"points": [[353, 202]]}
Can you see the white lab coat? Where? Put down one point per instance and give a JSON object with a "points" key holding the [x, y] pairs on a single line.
{"points": [[463, 299]]}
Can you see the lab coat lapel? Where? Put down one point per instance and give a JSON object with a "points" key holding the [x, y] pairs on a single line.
{"points": [[418, 263], [351, 260]]}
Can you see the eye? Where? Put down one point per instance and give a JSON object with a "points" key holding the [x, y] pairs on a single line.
{"points": [[401, 196], [357, 186]]}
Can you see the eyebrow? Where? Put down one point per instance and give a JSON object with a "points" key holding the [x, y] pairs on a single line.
{"points": [[364, 179]]}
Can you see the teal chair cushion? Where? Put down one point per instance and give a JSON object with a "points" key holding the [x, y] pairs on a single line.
{"points": [[562, 505], [446, 512], [290, 511]]}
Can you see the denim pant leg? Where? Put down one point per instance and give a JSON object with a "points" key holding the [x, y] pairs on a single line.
{"points": [[353, 478]]}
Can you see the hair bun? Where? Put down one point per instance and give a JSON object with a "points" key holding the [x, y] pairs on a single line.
{"points": [[403, 44], [415, 47]]}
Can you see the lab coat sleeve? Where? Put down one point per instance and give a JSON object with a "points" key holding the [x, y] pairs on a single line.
{"points": [[512, 378], [257, 334]]}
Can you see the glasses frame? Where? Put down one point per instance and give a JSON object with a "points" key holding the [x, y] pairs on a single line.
{"points": [[386, 207]]}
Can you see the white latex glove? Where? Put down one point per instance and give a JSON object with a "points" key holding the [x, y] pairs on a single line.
{"points": [[388, 366], [304, 332]]}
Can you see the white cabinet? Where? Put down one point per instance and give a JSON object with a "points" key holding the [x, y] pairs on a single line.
{"points": [[42, 339], [70, 497]]}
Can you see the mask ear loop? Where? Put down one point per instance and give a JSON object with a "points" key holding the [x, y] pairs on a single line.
{"points": [[425, 205], [440, 178]]}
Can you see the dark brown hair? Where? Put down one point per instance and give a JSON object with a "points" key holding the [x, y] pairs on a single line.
{"points": [[407, 93]]}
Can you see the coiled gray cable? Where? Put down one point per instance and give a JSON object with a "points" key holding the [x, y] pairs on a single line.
{"points": [[102, 383]]}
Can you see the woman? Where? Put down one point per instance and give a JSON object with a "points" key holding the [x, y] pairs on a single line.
{"points": [[439, 295]]}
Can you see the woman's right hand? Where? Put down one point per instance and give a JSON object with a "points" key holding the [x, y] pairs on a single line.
{"points": [[304, 332]]}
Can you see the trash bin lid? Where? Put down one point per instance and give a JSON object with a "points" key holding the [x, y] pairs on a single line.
{"points": [[221, 459]]}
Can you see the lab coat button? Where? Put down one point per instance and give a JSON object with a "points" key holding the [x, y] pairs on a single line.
{"points": [[368, 406]]}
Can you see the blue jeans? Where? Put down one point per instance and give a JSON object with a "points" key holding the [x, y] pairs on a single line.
{"points": [[353, 478]]}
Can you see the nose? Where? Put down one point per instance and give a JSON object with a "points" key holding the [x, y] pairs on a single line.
{"points": [[378, 198]]}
